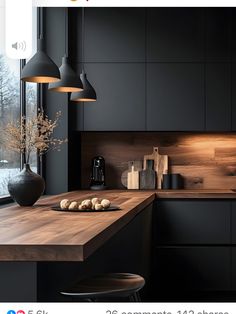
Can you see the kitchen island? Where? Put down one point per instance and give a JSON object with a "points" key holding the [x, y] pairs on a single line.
{"points": [[39, 233], [48, 250]]}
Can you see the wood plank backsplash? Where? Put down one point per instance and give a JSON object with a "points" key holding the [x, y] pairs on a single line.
{"points": [[206, 161]]}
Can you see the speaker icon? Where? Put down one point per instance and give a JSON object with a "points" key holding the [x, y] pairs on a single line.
{"points": [[21, 45]]}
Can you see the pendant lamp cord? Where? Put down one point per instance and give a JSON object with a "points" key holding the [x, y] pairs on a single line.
{"points": [[83, 13], [38, 23], [40, 86], [41, 23], [66, 32]]}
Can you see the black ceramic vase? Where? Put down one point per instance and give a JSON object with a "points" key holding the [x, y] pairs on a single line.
{"points": [[26, 187]]}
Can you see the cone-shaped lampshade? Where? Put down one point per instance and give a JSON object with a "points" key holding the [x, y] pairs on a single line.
{"points": [[87, 94], [69, 82], [40, 68]]}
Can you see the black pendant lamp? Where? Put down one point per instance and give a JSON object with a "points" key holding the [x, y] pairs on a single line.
{"points": [[40, 68], [88, 93], [70, 82]]}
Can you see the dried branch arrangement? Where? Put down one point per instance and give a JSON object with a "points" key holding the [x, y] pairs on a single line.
{"points": [[32, 134]]}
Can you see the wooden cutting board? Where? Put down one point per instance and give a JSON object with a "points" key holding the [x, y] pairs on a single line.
{"points": [[138, 165], [154, 156], [162, 169], [133, 179], [160, 165], [148, 177]]}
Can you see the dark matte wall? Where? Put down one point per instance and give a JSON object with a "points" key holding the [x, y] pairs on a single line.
{"points": [[56, 162], [61, 168]]}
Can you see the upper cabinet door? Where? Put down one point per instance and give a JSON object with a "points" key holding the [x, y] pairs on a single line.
{"points": [[120, 101], [218, 97], [175, 97], [175, 34], [233, 34], [218, 34], [114, 35]]}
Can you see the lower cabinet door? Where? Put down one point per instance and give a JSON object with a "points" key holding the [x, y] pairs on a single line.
{"points": [[182, 269], [234, 268], [192, 222], [233, 226]]}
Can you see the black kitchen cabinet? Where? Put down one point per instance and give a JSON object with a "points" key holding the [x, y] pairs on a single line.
{"points": [[175, 97], [181, 222], [233, 224], [233, 37], [175, 35], [114, 35], [157, 69], [234, 96], [218, 97], [192, 248], [187, 269], [218, 34], [120, 97], [234, 268]]}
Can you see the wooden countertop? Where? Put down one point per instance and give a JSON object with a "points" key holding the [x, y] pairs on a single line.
{"points": [[41, 234]]}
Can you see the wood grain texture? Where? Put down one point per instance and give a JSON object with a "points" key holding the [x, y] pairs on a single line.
{"points": [[41, 234], [162, 169], [155, 156], [206, 161]]}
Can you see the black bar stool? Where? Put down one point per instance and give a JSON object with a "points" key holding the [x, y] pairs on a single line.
{"points": [[120, 285]]}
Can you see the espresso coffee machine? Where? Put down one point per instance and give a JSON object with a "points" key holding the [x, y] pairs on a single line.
{"points": [[98, 174]]}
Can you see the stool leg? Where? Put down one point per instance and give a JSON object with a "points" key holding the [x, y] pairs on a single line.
{"points": [[131, 298], [137, 297]]}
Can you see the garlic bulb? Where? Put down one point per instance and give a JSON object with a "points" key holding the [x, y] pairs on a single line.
{"points": [[73, 205], [105, 203], [64, 204]]}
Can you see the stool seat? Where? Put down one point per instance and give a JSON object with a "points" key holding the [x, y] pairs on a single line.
{"points": [[111, 284]]}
